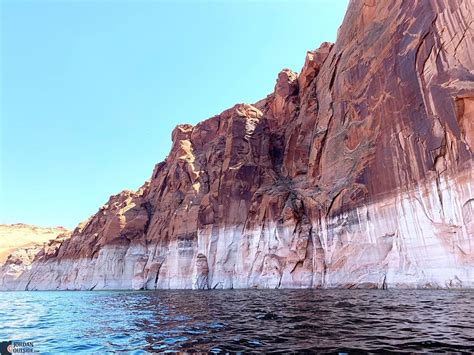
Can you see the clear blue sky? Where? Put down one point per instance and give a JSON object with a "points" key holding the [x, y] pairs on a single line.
{"points": [[91, 90]]}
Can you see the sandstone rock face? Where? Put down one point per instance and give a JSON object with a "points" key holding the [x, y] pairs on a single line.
{"points": [[19, 262], [15, 236], [355, 173]]}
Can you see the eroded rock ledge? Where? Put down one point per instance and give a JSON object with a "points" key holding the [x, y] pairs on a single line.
{"points": [[355, 173]]}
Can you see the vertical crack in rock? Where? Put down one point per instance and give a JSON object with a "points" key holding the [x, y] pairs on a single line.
{"points": [[201, 273]]}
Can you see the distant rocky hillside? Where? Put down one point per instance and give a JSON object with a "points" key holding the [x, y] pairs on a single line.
{"points": [[16, 236], [355, 172]]}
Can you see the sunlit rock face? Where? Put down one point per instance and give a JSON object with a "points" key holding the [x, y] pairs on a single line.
{"points": [[355, 173], [20, 236], [20, 262]]}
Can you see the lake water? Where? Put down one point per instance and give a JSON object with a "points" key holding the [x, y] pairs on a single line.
{"points": [[240, 320]]}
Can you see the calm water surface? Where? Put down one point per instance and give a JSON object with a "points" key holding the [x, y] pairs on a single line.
{"points": [[247, 320]]}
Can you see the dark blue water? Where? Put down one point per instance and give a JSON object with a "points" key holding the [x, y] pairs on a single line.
{"points": [[247, 320]]}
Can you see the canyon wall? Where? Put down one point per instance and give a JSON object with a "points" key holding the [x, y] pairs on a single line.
{"points": [[16, 236], [20, 244], [356, 172]]}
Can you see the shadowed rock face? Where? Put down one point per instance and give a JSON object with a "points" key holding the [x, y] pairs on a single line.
{"points": [[355, 173]]}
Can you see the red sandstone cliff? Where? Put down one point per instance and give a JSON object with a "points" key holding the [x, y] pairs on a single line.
{"points": [[15, 236], [20, 244], [357, 172]]}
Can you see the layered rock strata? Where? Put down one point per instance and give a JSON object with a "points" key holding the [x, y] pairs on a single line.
{"points": [[15, 236], [357, 172], [27, 242]]}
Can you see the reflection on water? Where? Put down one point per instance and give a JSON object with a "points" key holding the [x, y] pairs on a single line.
{"points": [[240, 320]]}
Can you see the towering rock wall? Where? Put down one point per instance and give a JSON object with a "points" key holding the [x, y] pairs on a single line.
{"points": [[355, 173]]}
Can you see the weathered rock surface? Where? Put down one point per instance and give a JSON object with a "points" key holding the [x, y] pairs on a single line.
{"points": [[355, 173], [25, 243], [15, 236]]}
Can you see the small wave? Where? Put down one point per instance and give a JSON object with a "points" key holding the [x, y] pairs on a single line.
{"points": [[243, 320]]}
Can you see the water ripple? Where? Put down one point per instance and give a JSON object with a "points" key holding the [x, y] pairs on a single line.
{"points": [[241, 320]]}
